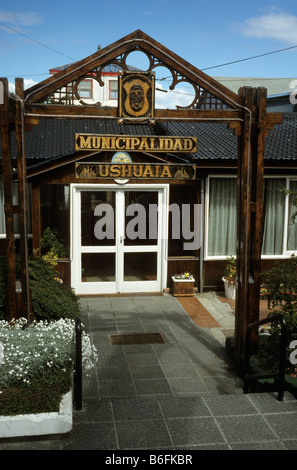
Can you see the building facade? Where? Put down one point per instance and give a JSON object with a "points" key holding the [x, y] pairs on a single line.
{"points": [[137, 196]]}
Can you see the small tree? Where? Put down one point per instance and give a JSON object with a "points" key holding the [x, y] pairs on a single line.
{"points": [[50, 243], [281, 286], [281, 282]]}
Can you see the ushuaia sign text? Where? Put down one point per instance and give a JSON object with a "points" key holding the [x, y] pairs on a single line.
{"points": [[135, 143], [135, 170]]}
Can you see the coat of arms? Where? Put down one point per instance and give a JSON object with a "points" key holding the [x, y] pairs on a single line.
{"points": [[136, 95]]}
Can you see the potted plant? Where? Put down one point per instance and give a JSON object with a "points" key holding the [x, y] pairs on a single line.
{"points": [[280, 285], [37, 359], [229, 278], [183, 285], [36, 370]]}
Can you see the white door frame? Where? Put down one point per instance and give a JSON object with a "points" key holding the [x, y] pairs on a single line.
{"points": [[119, 249]]}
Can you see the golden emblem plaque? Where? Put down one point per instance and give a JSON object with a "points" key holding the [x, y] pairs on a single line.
{"points": [[136, 95]]}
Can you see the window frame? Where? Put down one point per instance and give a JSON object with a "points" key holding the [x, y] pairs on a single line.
{"points": [[207, 206], [285, 252], [113, 91], [288, 253], [88, 82]]}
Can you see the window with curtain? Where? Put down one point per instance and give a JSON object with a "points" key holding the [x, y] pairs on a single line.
{"points": [[274, 216], [222, 217], [292, 225]]}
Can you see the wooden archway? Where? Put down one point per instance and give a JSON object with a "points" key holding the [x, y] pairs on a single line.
{"points": [[244, 112]]}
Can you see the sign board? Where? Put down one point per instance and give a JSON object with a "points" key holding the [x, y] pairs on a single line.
{"points": [[136, 95], [84, 170], [132, 143]]}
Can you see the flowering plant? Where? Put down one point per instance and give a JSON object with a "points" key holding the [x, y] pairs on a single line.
{"points": [[39, 350], [185, 275], [230, 270]]}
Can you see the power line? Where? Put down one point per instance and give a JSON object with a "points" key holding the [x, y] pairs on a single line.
{"points": [[27, 75], [241, 60], [250, 58], [37, 42], [160, 79]]}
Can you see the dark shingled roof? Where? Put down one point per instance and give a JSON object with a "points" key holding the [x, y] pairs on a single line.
{"points": [[281, 142], [54, 138]]}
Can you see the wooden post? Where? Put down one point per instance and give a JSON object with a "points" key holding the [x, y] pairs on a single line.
{"points": [[257, 195], [25, 304], [7, 182], [249, 214]]}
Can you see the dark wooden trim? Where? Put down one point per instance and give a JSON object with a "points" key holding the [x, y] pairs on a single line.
{"points": [[7, 182], [250, 214], [36, 219], [36, 110], [24, 306], [244, 173], [134, 41]]}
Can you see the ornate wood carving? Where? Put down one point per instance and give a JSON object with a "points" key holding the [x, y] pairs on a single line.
{"points": [[63, 88]]}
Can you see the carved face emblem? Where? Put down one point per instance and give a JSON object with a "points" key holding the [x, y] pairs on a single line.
{"points": [[136, 97]]}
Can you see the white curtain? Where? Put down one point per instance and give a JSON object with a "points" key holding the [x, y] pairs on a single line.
{"points": [[292, 226], [222, 217], [274, 216]]}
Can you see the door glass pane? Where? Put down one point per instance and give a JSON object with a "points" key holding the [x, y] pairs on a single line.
{"points": [[140, 267], [98, 267], [98, 218], [55, 213], [141, 220]]}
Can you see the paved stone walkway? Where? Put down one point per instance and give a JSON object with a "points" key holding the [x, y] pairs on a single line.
{"points": [[180, 395]]}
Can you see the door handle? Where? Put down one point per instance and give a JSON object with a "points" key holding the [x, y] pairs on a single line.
{"points": [[122, 238]]}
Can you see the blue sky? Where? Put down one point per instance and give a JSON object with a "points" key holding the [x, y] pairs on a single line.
{"points": [[205, 34]]}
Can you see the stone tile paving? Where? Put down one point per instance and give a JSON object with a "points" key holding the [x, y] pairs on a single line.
{"points": [[180, 395]]}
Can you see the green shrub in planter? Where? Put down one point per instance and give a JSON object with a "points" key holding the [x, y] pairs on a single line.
{"points": [[50, 243], [281, 284], [272, 341], [37, 363], [42, 395], [51, 299]]}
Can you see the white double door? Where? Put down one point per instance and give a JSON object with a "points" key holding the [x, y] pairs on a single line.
{"points": [[118, 238]]}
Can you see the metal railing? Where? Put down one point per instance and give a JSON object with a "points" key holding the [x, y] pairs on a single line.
{"points": [[78, 366], [280, 375]]}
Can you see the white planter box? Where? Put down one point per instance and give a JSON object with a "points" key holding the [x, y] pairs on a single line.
{"points": [[41, 423], [230, 289]]}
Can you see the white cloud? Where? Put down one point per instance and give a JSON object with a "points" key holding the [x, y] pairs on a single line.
{"points": [[28, 82], [29, 18], [274, 25], [167, 99]]}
